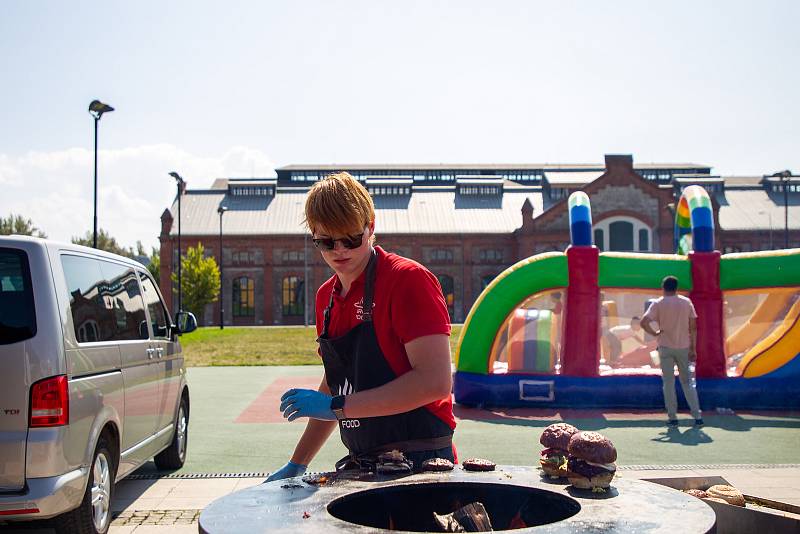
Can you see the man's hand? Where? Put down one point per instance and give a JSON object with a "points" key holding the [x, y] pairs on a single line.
{"points": [[289, 470], [307, 403]]}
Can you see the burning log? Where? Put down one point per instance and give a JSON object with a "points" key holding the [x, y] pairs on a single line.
{"points": [[469, 518]]}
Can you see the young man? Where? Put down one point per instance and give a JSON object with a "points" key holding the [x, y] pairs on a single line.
{"points": [[677, 336], [384, 341]]}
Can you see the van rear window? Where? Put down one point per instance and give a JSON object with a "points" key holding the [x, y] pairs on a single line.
{"points": [[17, 313]]}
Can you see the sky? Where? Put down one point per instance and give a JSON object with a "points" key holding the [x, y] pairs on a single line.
{"points": [[235, 89]]}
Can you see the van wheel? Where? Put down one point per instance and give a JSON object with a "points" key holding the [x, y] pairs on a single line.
{"points": [[174, 456], [93, 516]]}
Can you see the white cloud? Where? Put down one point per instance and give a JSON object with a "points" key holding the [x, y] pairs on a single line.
{"points": [[55, 189]]}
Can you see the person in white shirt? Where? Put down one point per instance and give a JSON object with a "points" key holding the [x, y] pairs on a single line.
{"points": [[677, 336]]}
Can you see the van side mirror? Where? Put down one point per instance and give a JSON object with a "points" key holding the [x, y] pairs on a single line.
{"points": [[186, 322]]}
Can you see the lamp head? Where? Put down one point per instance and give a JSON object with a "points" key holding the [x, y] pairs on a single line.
{"points": [[221, 210], [177, 177], [97, 108]]}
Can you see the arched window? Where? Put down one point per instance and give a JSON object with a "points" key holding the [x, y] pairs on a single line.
{"points": [[598, 239], [88, 332], [624, 234], [446, 282], [620, 236], [644, 241], [486, 280], [243, 297], [293, 296]]}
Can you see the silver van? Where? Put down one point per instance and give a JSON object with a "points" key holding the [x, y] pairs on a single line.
{"points": [[92, 381]]}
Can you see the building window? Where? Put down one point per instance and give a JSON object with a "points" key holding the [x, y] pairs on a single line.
{"points": [[624, 234], [486, 280], [293, 255], [644, 240], [293, 300], [243, 297], [620, 236], [446, 281], [441, 254], [239, 258], [598, 239], [492, 255]]}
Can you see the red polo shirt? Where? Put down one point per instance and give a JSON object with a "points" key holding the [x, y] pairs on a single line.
{"points": [[407, 304]]}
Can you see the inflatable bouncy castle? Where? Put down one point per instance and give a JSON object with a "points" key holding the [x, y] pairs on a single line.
{"points": [[562, 329]]}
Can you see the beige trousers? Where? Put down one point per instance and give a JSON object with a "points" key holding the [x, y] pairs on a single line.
{"points": [[669, 359]]}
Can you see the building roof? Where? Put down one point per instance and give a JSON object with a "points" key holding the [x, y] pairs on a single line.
{"points": [[576, 178], [473, 166], [427, 211], [755, 209]]}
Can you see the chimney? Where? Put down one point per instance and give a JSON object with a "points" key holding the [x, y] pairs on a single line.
{"points": [[619, 162], [166, 222]]}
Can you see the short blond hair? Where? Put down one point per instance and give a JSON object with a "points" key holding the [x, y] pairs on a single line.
{"points": [[339, 205]]}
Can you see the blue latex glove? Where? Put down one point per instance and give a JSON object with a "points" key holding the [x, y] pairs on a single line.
{"points": [[287, 471], [306, 403]]}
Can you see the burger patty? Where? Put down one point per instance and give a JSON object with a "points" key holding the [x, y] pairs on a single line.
{"points": [[580, 467], [437, 464], [479, 464]]}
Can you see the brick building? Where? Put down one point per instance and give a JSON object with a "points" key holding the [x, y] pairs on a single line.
{"points": [[466, 223]]}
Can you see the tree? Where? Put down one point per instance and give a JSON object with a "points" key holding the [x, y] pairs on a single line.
{"points": [[199, 280], [104, 242], [17, 224], [155, 265]]}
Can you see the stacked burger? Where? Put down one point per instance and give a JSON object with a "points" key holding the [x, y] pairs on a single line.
{"points": [[555, 439], [591, 461]]}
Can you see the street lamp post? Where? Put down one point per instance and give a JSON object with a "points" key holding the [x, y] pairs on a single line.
{"points": [[96, 110], [221, 210], [180, 183], [785, 178], [305, 278]]}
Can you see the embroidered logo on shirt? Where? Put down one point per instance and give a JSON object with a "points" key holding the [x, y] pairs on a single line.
{"points": [[360, 308], [346, 388]]}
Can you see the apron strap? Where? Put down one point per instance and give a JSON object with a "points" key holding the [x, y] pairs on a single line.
{"points": [[368, 290], [369, 287]]}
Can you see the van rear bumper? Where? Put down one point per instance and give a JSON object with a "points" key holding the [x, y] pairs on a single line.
{"points": [[50, 496]]}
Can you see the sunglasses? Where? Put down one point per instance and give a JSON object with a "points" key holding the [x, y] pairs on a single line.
{"points": [[328, 243]]}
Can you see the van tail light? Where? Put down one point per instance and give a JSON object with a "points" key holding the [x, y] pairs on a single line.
{"points": [[50, 402]]}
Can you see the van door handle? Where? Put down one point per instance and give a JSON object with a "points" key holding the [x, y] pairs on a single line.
{"points": [[150, 353], [160, 352]]}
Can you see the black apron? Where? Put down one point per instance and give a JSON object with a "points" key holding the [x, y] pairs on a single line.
{"points": [[354, 362]]}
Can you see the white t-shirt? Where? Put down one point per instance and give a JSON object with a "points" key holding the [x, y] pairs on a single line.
{"points": [[672, 314]]}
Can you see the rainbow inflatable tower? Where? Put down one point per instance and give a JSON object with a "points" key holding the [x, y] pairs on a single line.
{"points": [[561, 329]]}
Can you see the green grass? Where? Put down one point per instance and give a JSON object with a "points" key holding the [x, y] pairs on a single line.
{"points": [[271, 345]]}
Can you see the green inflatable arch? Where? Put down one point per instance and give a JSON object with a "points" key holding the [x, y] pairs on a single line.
{"points": [[498, 299]]}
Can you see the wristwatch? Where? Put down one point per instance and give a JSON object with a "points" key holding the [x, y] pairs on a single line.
{"points": [[337, 406]]}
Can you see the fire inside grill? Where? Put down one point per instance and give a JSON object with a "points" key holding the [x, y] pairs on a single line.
{"points": [[414, 507]]}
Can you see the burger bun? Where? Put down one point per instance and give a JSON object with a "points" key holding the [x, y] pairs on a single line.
{"points": [[557, 436], [597, 481]]}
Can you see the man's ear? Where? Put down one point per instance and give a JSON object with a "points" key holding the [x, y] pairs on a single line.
{"points": [[372, 227]]}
